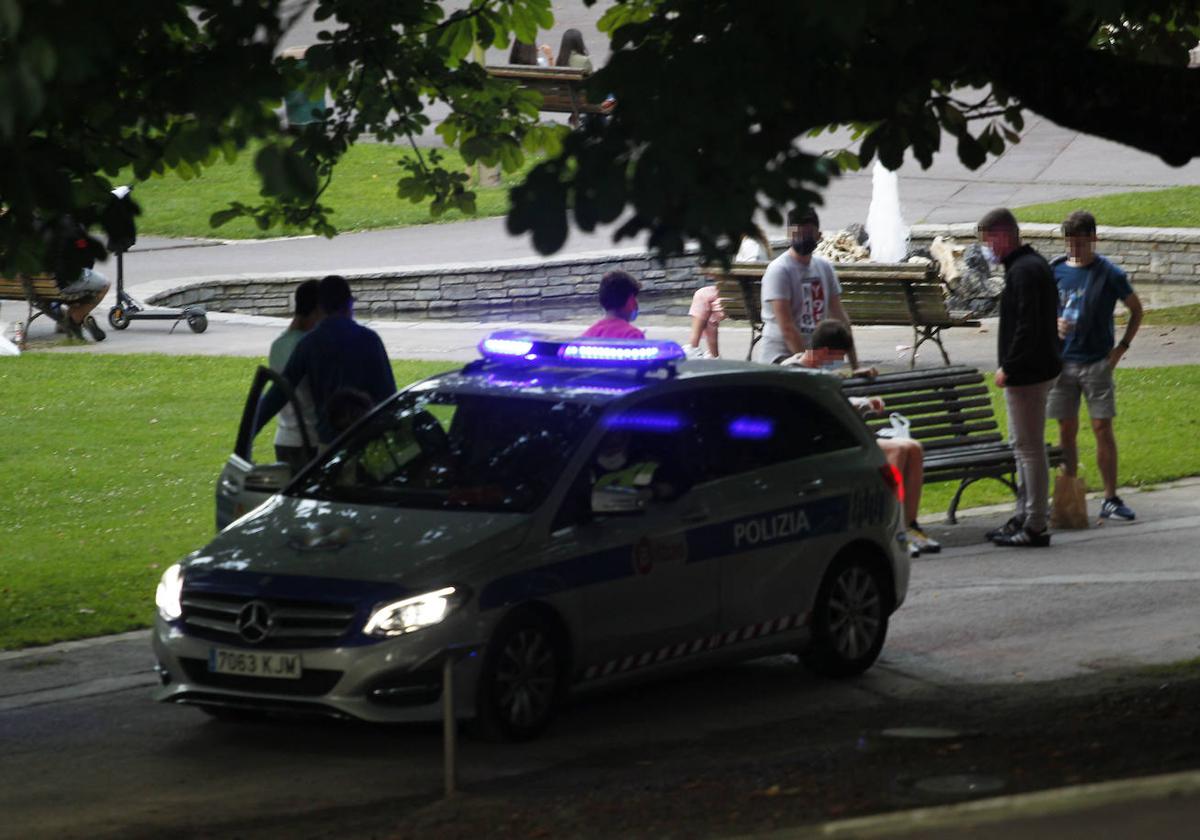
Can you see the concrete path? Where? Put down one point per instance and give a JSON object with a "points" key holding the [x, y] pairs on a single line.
{"points": [[456, 341]]}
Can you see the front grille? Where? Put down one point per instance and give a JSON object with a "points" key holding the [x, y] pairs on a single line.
{"points": [[312, 683], [294, 624]]}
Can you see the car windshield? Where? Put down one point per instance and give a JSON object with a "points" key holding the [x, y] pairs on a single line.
{"points": [[454, 451]]}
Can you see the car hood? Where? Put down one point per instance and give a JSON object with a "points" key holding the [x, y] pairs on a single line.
{"points": [[290, 536]]}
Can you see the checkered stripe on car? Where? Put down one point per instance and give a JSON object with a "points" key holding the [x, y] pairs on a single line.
{"points": [[703, 644]]}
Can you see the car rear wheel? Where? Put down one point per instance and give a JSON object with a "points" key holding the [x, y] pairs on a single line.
{"points": [[521, 680], [849, 619]]}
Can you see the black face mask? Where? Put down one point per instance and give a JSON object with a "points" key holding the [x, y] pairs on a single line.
{"points": [[804, 246]]}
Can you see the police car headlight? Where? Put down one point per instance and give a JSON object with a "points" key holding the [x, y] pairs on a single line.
{"points": [[166, 597], [409, 614]]}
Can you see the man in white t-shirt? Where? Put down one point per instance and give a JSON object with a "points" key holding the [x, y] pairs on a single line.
{"points": [[289, 443], [799, 290]]}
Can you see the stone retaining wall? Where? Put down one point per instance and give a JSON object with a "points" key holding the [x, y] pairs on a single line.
{"points": [[1149, 255], [552, 289], [547, 289]]}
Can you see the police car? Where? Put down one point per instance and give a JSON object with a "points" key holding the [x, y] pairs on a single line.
{"points": [[556, 516]]}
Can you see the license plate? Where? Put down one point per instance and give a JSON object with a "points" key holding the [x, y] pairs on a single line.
{"points": [[245, 663]]}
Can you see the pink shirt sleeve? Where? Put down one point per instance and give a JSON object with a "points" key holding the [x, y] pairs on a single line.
{"points": [[613, 328]]}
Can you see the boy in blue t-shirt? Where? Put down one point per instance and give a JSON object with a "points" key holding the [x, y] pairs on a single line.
{"points": [[1089, 287]]}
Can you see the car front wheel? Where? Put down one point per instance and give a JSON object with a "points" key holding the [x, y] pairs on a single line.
{"points": [[521, 680], [849, 619]]}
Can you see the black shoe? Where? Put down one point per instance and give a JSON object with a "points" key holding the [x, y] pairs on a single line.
{"points": [[1025, 538], [93, 328], [1007, 529], [74, 330]]}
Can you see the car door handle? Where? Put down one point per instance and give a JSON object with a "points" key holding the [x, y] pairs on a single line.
{"points": [[694, 515], [810, 487]]}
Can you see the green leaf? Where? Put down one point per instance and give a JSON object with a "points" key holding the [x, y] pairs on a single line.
{"points": [[970, 152]]}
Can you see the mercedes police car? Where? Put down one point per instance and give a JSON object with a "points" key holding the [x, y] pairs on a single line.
{"points": [[555, 516]]}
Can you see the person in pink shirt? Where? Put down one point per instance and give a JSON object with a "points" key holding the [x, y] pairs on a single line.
{"points": [[618, 296]]}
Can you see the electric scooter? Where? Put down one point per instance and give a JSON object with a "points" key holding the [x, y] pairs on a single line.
{"points": [[127, 308]]}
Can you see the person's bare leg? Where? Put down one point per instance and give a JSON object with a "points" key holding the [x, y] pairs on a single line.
{"points": [[914, 478], [79, 310], [899, 455], [1068, 438], [698, 325], [1106, 455], [710, 335]]}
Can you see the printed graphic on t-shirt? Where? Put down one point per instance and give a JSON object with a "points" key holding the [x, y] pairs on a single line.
{"points": [[813, 311]]}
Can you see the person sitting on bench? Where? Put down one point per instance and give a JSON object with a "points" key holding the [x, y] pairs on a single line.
{"points": [[85, 288], [832, 342]]}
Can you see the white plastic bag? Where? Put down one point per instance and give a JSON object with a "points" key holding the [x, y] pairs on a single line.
{"points": [[7, 348], [898, 429]]}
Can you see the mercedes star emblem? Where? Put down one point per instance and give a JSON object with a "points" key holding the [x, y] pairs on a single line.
{"points": [[254, 621]]}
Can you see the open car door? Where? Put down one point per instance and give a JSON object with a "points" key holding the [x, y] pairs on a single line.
{"points": [[244, 484]]}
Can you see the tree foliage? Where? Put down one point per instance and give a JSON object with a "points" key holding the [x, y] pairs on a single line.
{"points": [[718, 101], [87, 89]]}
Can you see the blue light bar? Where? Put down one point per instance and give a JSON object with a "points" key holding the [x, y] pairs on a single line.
{"points": [[621, 353], [751, 428], [646, 421], [509, 345], [518, 346]]}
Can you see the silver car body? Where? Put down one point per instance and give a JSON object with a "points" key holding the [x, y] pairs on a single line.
{"points": [[727, 570]]}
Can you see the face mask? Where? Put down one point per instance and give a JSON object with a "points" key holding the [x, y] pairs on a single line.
{"points": [[633, 315], [989, 254], [611, 460], [804, 245]]}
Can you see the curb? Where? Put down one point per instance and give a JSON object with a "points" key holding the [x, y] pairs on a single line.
{"points": [[998, 809]]}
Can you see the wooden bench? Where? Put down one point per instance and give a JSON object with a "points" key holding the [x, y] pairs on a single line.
{"points": [[39, 292], [950, 411], [874, 294], [563, 89]]}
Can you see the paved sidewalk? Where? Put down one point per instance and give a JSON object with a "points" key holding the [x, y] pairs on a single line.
{"points": [[456, 341]]}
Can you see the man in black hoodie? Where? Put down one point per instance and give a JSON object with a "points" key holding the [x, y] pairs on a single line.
{"points": [[1029, 364]]}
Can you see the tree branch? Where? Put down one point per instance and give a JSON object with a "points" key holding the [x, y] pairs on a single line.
{"points": [[1149, 107]]}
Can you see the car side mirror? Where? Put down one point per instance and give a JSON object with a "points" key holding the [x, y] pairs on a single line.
{"points": [[268, 478], [616, 499]]}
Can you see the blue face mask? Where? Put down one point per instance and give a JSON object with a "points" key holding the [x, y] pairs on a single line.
{"points": [[633, 315], [989, 254]]}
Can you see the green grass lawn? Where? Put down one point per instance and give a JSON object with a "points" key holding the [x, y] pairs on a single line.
{"points": [[1156, 428], [1175, 207], [1175, 316], [110, 464], [363, 194]]}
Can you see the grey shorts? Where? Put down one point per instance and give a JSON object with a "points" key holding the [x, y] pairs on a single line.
{"points": [[89, 283], [1094, 381]]}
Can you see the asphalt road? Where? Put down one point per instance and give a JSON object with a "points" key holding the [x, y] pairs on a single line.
{"points": [[86, 754]]}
